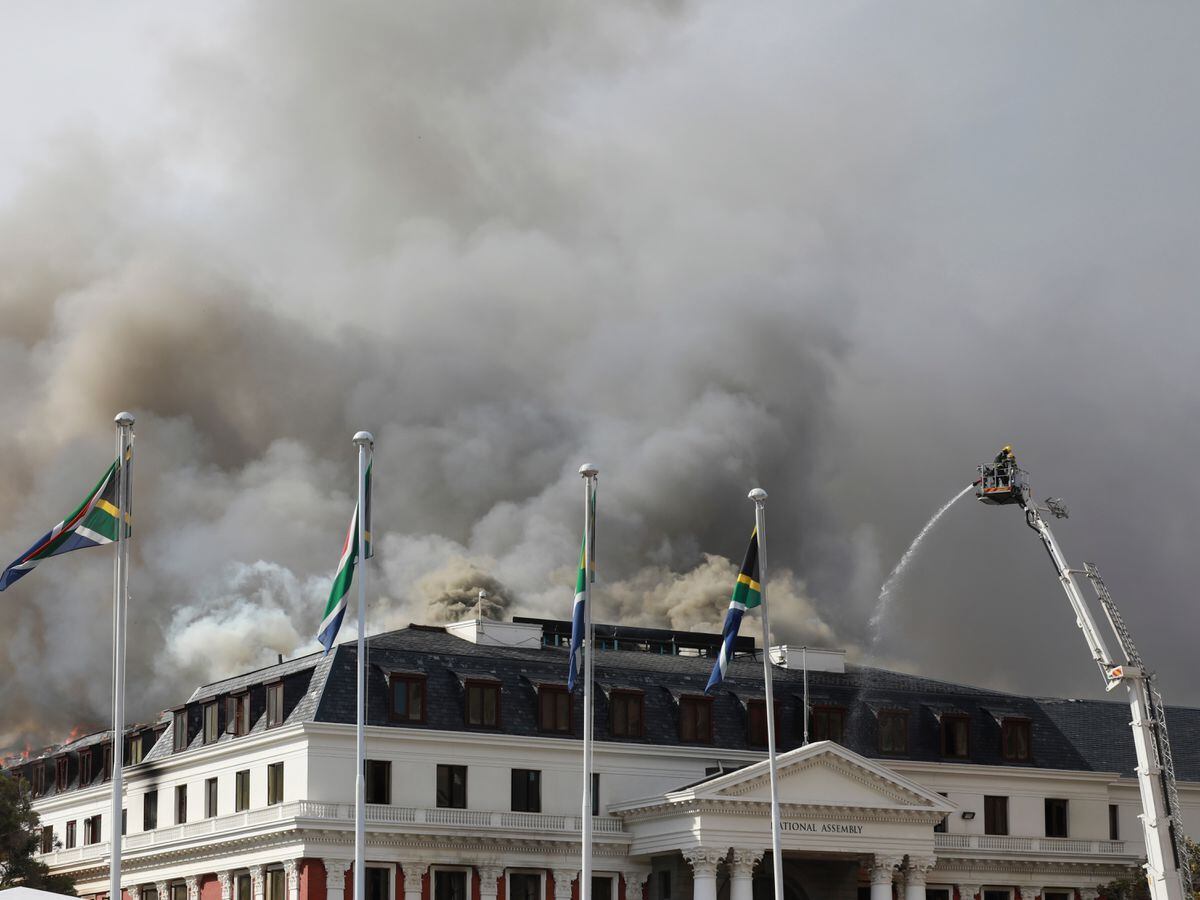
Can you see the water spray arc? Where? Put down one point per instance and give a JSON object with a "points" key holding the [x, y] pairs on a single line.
{"points": [[1002, 483]]}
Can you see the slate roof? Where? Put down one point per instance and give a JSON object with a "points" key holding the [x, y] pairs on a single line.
{"points": [[1087, 735]]}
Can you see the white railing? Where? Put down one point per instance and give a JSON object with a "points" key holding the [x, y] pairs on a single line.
{"points": [[1039, 845], [481, 820]]}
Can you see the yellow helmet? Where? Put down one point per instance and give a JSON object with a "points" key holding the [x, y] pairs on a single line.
{"points": [[1008, 448]]}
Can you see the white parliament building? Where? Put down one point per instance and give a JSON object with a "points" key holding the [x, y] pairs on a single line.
{"points": [[909, 788]]}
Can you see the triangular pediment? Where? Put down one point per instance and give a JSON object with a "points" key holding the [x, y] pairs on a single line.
{"points": [[820, 774]]}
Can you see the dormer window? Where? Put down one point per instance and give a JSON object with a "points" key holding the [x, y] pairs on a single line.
{"points": [[106, 771], [37, 779], [179, 730], [827, 723], [1016, 739], [554, 709], [61, 771], [134, 750], [408, 697], [483, 704], [893, 731], [955, 736], [237, 714], [211, 721], [85, 768], [756, 724], [695, 720], [625, 718], [274, 704]]}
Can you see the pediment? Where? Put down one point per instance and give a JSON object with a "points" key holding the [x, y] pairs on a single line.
{"points": [[820, 774]]}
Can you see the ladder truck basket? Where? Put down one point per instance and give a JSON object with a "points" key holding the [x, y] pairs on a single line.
{"points": [[1001, 483]]}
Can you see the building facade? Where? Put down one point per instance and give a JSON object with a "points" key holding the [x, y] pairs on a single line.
{"points": [[908, 788]]}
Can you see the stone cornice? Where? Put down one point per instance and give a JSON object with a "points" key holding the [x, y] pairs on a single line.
{"points": [[762, 809]]}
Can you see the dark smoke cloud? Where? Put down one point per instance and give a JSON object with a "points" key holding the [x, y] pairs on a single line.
{"points": [[841, 253]]}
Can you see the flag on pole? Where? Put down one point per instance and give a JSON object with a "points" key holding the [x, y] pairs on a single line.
{"points": [[335, 609], [93, 522], [747, 594], [577, 613]]}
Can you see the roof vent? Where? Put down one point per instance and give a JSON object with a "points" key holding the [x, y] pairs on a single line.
{"points": [[492, 633], [816, 660]]}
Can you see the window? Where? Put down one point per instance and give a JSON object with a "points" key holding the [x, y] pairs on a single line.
{"points": [[827, 723], [180, 804], [210, 798], [939, 828], [483, 704], [378, 776], [625, 714], [1114, 822], [449, 885], [179, 730], [243, 888], [124, 821], [149, 892], [1056, 817], [149, 810], [595, 793], [955, 736], [210, 723], [47, 838], [237, 714], [378, 884], [937, 894], [408, 698], [1015, 740], [276, 886], [893, 731], [134, 750], [37, 779], [664, 885], [274, 783], [85, 768], [91, 830], [756, 724], [997, 895], [61, 770], [526, 790], [106, 772], [554, 709], [274, 704], [995, 815], [179, 892], [524, 886], [241, 790], [602, 887], [452, 787], [70, 834], [695, 720]]}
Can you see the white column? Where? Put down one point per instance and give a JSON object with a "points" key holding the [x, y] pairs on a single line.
{"points": [[741, 864], [488, 878], [881, 876], [193, 887], [562, 883], [164, 890], [291, 869], [226, 880], [914, 876], [258, 882], [335, 879], [635, 882], [704, 862], [1029, 893], [971, 891], [413, 873]]}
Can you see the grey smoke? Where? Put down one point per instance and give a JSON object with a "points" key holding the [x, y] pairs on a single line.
{"points": [[843, 253]]}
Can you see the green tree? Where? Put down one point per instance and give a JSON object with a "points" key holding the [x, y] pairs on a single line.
{"points": [[20, 835], [1134, 887]]}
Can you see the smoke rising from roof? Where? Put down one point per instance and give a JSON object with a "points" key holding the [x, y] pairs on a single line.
{"points": [[841, 254]]}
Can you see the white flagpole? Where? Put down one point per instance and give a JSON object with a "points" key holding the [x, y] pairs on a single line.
{"points": [[589, 473], [364, 441], [759, 496], [124, 423], [804, 665]]}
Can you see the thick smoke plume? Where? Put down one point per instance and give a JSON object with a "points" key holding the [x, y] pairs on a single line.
{"points": [[840, 254]]}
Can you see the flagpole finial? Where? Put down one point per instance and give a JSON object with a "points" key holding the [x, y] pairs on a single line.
{"points": [[364, 437], [588, 470], [124, 419], [758, 495]]}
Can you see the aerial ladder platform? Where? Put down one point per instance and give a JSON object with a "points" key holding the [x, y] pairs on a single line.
{"points": [[1168, 874]]}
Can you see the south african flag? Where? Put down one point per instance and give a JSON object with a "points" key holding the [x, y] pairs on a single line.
{"points": [[93, 522], [747, 594], [335, 609]]}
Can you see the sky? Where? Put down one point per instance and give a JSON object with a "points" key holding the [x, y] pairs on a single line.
{"points": [[840, 251]]}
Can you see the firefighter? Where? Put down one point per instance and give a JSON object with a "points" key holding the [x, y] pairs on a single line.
{"points": [[1004, 464], [1005, 456]]}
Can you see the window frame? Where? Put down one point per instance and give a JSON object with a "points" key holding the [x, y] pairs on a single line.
{"points": [[528, 790], [696, 702], [46, 839], [409, 680], [466, 871], [150, 810], [62, 773], [752, 706], [893, 715], [69, 843], [1011, 725], [106, 769], [629, 698], [237, 714], [539, 874], [483, 685], [826, 711], [241, 790], [552, 694], [275, 704], [275, 783], [181, 804], [944, 734], [211, 798], [449, 769], [369, 782], [135, 747], [1055, 803], [210, 715], [1114, 821], [1000, 802], [179, 736], [86, 773]]}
